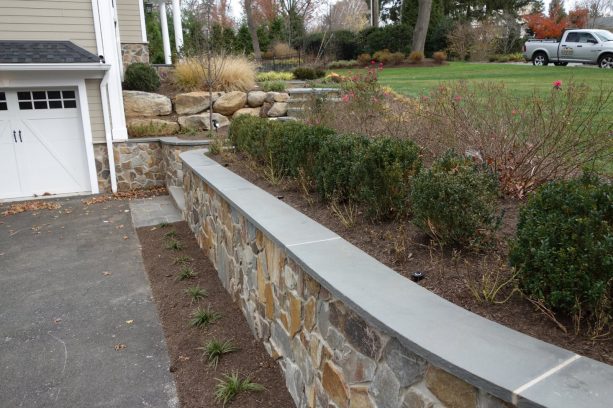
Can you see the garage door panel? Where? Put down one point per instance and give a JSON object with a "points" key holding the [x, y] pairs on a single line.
{"points": [[49, 156]]}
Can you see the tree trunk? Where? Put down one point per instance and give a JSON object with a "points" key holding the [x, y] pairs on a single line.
{"points": [[253, 31], [421, 26], [376, 12]]}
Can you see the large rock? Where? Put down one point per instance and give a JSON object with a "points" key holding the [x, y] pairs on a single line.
{"points": [[256, 99], [229, 103], [247, 111], [277, 97], [137, 103], [278, 109], [201, 121], [450, 390], [194, 102], [152, 127]]}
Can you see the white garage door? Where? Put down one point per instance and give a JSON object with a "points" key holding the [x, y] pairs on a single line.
{"points": [[42, 150]]}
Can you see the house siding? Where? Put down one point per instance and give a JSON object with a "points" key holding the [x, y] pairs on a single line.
{"points": [[70, 20], [95, 110], [128, 14]]}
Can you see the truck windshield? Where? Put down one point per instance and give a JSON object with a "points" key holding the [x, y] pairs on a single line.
{"points": [[604, 36]]}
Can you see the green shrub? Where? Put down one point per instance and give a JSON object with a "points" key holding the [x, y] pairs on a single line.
{"points": [[336, 170], [564, 247], [308, 73], [455, 201], [385, 174], [141, 77], [274, 86]]}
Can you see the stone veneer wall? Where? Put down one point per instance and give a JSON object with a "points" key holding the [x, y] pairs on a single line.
{"points": [[143, 163], [134, 52], [350, 333]]}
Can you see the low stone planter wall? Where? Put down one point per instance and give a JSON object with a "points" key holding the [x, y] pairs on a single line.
{"points": [[144, 163], [349, 332]]}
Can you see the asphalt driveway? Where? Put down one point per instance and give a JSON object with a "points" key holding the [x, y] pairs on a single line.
{"points": [[78, 327]]}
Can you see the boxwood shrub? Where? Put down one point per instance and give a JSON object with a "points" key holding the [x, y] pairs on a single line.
{"points": [[141, 77], [564, 247], [353, 168], [455, 201], [308, 73]]}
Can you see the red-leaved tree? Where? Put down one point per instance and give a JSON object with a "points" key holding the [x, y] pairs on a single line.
{"points": [[554, 24]]}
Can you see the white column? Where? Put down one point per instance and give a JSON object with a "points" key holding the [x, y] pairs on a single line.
{"points": [[165, 37], [176, 18]]}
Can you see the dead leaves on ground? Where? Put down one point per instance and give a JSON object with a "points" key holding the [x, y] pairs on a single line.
{"points": [[126, 195], [119, 347], [36, 205]]}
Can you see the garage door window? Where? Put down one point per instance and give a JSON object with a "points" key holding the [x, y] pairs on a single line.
{"points": [[40, 100], [3, 106]]}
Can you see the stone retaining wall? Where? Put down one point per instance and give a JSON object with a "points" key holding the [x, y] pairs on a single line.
{"points": [[134, 52], [143, 163], [350, 333]]}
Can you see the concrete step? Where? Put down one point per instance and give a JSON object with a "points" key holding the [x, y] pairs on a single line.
{"points": [[178, 197]]}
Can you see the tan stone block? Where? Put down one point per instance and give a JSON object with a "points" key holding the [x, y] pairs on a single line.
{"points": [[315, 350], [284, 320], [334, 384], [261, 279], [309, 313], [269, 301], [450, 390], [295, 314], [360, 398], [311, 396]]}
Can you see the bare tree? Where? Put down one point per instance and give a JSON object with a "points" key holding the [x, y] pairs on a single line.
{"points": [[596, 8], [303, 10], [349, 15], [375, 11], [421, 26], [252, 30]]}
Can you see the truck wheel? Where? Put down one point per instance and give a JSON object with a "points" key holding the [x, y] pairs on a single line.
{"points": [[560, 64], [540, 59], [606, 61]]}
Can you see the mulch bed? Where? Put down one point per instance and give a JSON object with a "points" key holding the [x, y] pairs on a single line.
{"points": [[195, 379], [402, 247]]}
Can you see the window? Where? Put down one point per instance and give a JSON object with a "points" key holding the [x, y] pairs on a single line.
{"points": [[586, 38], [3, 106], [39, 100], [572, 37]]}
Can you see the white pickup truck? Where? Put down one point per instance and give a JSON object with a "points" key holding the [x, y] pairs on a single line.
{"points": [[582, 46]]}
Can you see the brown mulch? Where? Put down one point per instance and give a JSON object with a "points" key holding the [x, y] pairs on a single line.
{"points": [[402, 247], [195, 379]]}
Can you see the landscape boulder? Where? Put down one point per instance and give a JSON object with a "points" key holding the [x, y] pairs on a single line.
{"points": [[152, 127], [247, 111], [194, 102], [256, 99], [201, 121], [278, 109], [229, 103], [272, 97], [137, 103]]}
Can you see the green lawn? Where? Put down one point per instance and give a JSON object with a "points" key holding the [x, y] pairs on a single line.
{"points": [[522, 79]]}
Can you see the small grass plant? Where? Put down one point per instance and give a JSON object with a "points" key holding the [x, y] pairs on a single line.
{"points": [[215, 349], [186, 273], [182, 260], [231, 385], [196, 293], [174, 244], [171, 234], [202, 317]]}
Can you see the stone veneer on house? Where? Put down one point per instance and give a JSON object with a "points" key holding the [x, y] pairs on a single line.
{"points": [[349, 332], [134, 52], [144, 163]]}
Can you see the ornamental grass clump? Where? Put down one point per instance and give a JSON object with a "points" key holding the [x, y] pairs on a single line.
{"points": [[455, 201], [563, 253]]}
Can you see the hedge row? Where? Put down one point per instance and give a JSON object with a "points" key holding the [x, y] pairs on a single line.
{"points": [[345, 168]]}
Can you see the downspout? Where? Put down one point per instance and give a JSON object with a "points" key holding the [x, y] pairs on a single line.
{"points": [[107, 125], [105, 100]]}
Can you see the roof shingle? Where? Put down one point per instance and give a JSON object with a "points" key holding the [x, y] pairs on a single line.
{"points": [[44, 52]]}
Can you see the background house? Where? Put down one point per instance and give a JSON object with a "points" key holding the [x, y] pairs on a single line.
{"points": [[61, 106]]}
